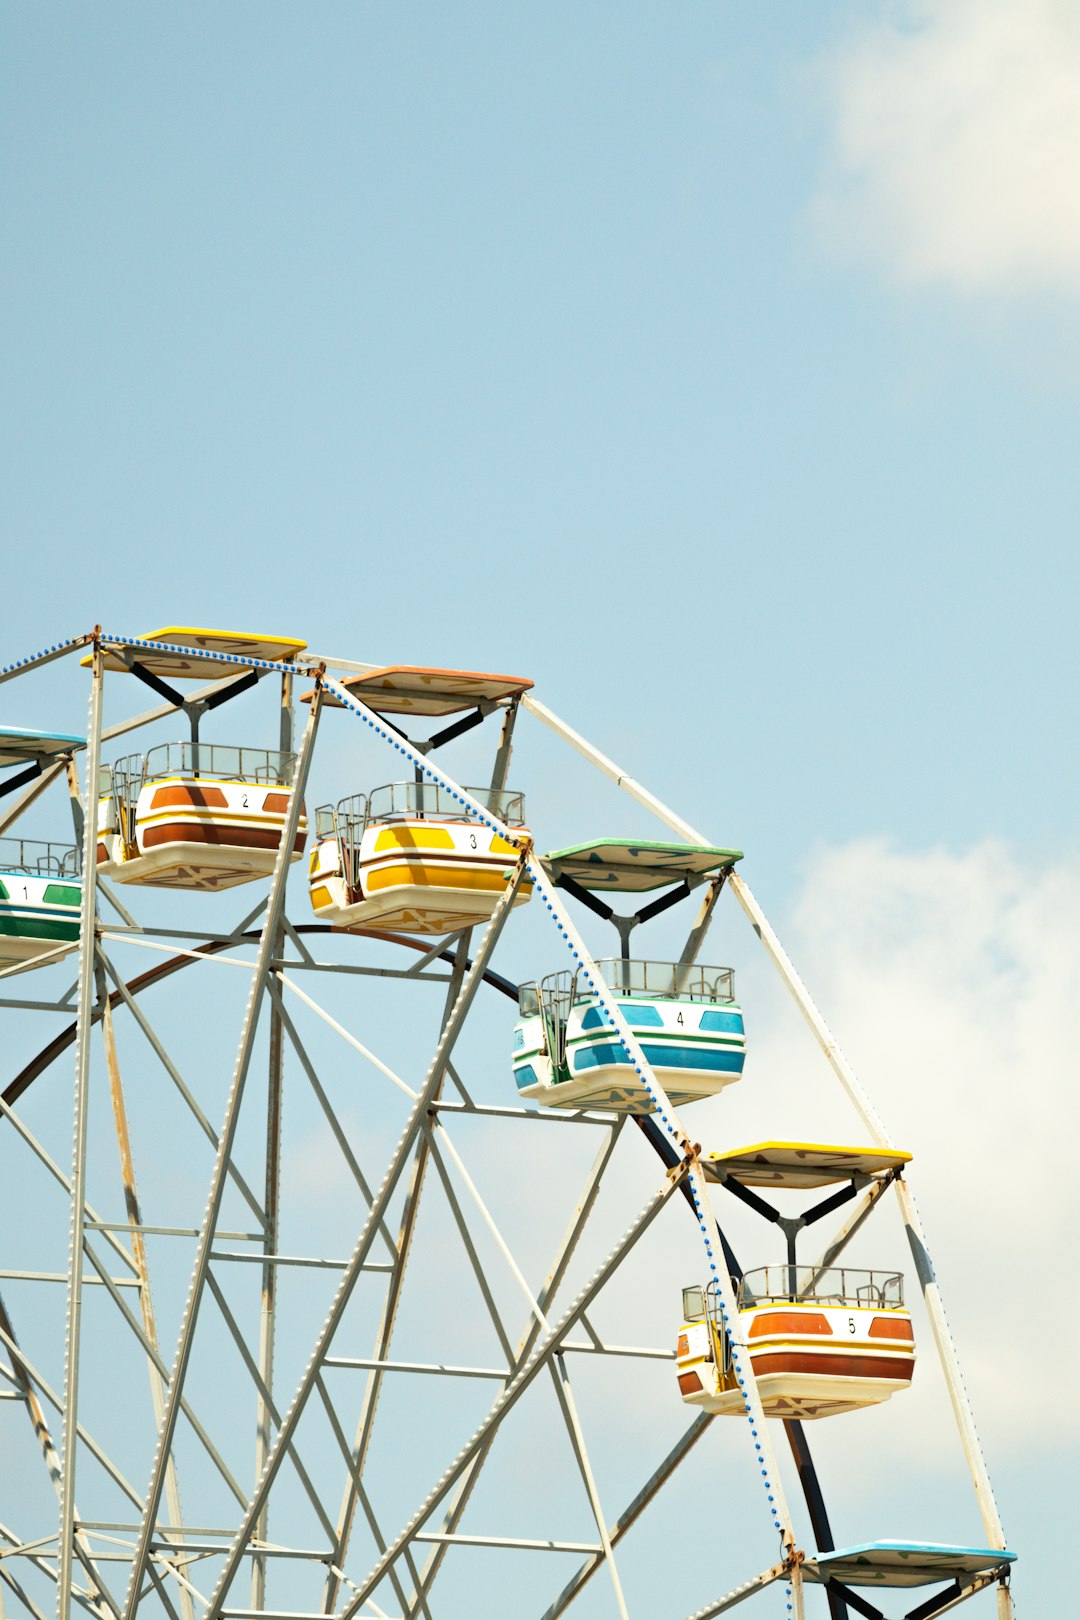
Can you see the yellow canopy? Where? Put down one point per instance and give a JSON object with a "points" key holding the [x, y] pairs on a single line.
{"points": [[173, 666], [800, 1164]]}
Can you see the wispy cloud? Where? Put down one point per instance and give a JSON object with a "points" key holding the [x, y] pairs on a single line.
{"points": [[951, 980], [954, 133]]}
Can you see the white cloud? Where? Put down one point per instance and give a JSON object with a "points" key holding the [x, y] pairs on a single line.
{"points": [[955, 129], [950, 980]]}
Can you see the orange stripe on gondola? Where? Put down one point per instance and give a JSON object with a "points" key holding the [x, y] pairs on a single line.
{"points": [[197, 832], [891, 1327], [199, 797], [838, 1366], [789, 1322]]}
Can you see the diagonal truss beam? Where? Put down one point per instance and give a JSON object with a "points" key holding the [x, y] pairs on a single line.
{"points": [[553, 1281], [124, 994], [384, 1334], [473, 979], [514, 1390], [267, 946], [607, 1002], [739, 1594], [51, 1460], [632, 1512], [560, 1377], [73, 1326], [138, 1249]]}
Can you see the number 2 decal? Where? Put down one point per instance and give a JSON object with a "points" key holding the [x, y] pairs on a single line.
{"points": [[245, 804]]}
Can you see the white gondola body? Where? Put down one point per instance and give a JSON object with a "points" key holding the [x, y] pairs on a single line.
{"points": [[39, 917], [202, 833], [419, 876], [809, 1360], [695, 1050]]}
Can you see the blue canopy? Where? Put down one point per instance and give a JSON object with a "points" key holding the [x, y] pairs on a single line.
{"points": [[21, 747], [904, 1563]]}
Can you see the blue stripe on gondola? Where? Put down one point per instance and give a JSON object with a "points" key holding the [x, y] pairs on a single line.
{"points": [[635, 1012], [705, 1058], [722, 1020]]}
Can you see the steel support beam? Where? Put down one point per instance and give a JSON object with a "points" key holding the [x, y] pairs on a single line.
{"points": [[413, 1128], [385, 1331], [83, 1020], [513, 1392], [36, 1413], [267, 947], [37, 787], [557, 1272], [739, 1594], [561, 1379], [631, 1513], [61, 650], [138, 1249], [271, 1204]]}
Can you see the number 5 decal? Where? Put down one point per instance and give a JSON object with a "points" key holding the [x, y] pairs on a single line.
{"points": [[851, 1324]]}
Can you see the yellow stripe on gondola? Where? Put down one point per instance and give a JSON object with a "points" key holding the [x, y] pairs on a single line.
{"points": [[434, 877], [414, 838]]}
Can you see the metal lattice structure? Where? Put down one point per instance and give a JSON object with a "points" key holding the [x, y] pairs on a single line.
{"points": [[264, 1460]]}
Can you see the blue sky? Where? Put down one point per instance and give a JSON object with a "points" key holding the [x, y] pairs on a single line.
{"points": [[510, 337], [715, 366]]}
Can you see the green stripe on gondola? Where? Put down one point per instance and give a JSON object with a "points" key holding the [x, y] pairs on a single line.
{"points": [[672, 1036], [15, 927], [62, 894]]}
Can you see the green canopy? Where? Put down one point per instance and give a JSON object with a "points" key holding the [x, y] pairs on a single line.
{"points": [[631, 867]]}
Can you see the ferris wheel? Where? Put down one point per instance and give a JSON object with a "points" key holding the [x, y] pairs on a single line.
{"points": [[313, 1275]]}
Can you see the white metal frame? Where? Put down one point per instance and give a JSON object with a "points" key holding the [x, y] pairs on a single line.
{"points": [[155, 1549]]}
